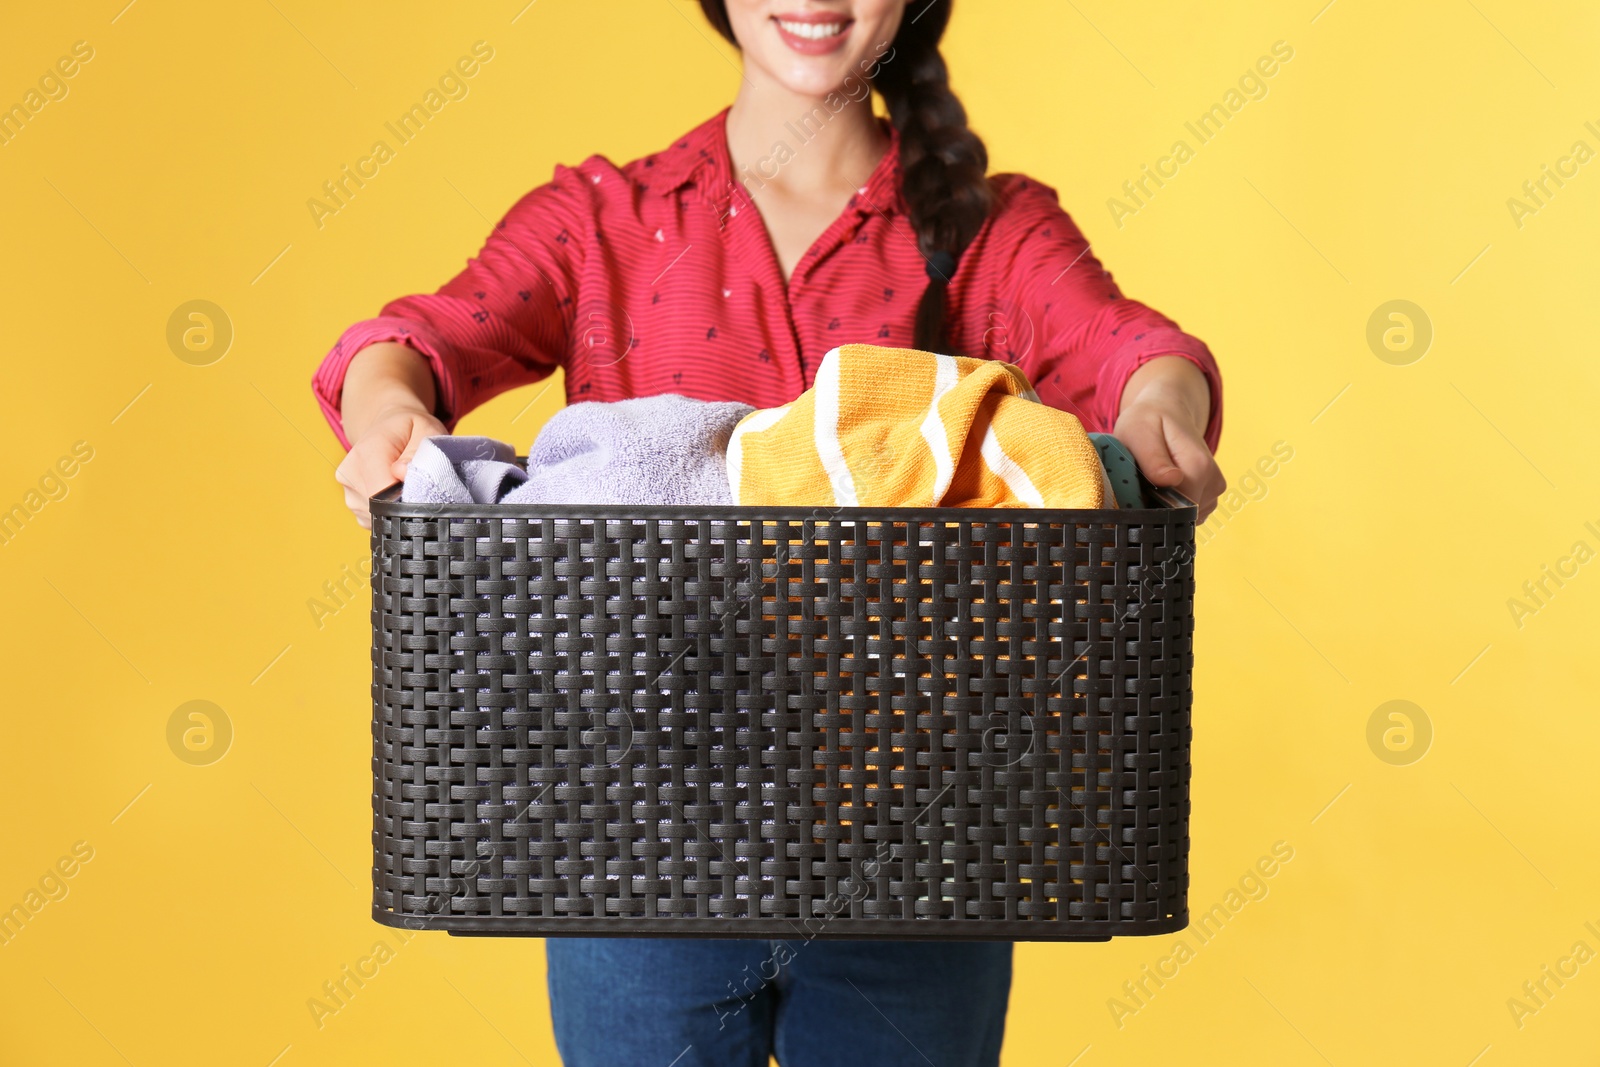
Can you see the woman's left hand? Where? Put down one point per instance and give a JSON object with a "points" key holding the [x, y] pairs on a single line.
{"points": [[1162, 421]]}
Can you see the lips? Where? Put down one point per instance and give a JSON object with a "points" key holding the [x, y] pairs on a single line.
{"points": [[813, 33]]}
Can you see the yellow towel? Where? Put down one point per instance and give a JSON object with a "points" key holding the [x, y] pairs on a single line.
{"points": [[894, 427]]}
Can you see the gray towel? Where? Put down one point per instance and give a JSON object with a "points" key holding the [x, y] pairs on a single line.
{"points": [[461, 470], [667, 450]]}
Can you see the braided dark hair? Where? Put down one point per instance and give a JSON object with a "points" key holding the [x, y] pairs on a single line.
{"points": [[944, 164]]}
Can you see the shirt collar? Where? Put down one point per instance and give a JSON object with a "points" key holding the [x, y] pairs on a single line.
{"points": [[701, 157]]}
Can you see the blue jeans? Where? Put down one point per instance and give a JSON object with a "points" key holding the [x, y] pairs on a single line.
{"points": [[648, 1002]]}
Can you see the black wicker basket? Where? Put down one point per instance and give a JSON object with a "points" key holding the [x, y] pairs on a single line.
{"points": [[781, 722]]}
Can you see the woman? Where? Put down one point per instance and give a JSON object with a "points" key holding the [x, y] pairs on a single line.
{"points": [[723, 268]]}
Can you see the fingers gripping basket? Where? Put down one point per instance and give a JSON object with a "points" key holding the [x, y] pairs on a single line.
{"points": [[768, 722]]}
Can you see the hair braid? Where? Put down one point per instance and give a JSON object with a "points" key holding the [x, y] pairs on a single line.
{"points": [[944, 165]]}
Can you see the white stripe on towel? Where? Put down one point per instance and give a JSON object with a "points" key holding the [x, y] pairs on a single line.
{"points": [[826, 431], [752, 423], [945, 377], [1007, 470]]}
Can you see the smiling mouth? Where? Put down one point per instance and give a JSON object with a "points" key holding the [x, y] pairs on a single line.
{"points": [[813, 31]]}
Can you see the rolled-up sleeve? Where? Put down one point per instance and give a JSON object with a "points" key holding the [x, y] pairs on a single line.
{"points": [[502, 322], [1085, 339]]}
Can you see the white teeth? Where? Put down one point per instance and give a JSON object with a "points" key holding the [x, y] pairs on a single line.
{"points": [[814, 31]]}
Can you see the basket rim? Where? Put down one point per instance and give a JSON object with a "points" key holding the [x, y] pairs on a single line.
{"points": [[1179, 510]]}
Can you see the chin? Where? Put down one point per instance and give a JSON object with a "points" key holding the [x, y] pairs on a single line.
{"points": [[812, 78]]}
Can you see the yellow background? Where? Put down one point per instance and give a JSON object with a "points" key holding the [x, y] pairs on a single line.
{"points": [[1376, 566]]}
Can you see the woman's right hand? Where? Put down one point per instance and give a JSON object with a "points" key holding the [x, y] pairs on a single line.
{"points": [[380, 456], [387, 408]]}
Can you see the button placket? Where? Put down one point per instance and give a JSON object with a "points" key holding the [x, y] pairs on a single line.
{"points": [[745, 233]]}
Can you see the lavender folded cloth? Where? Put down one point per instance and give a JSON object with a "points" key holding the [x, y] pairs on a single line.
{"points": [[668, 450], [461, 470]]}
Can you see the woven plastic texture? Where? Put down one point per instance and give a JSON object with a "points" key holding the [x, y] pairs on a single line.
{"points": [[758, 722]]}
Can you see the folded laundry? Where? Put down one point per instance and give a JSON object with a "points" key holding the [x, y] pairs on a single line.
{"points": [[892, 427], [1122, 472], [461, 470], [663, 450], [666, 450]]}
